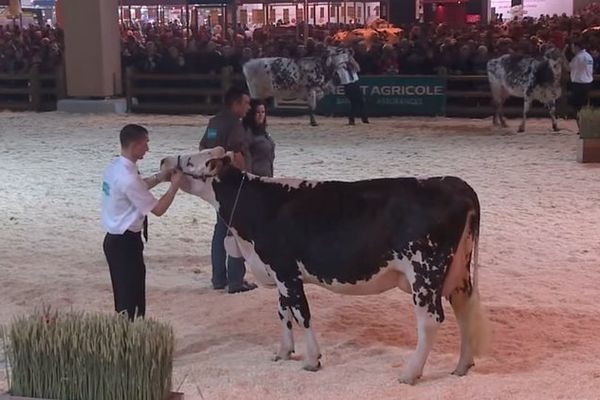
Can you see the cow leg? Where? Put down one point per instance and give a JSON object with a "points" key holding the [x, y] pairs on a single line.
{"points": [[497, 106], [526, 106], [501, 113], [286, 348], [552, 110], [426, 282], [313, 121], [473, 325], [459, 301], [312, 106], [296, 301], [498, 99], [427, 328]]}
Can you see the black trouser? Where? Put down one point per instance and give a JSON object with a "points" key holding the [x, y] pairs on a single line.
{"points": [[125, 256], [580, 95], [357, 103]]}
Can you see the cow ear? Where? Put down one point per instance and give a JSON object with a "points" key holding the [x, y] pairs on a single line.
{"points": [[217, 165], [227, 159]]}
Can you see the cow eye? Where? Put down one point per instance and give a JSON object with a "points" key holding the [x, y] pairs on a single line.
{"points": [[189, 163]]}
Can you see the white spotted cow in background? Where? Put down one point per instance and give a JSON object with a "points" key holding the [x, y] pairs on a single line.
{"points": [[359, 238], [528, 78], [306, 78]]}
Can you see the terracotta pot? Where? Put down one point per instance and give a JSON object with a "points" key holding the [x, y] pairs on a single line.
{"points": [[588, 150]]}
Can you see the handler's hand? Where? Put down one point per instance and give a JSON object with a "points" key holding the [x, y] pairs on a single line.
{"points": [[165, 176], [176, 177]]}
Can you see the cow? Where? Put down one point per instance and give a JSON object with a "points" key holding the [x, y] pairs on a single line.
{"points": [[356, 238], [529, 78], [306, 78]]}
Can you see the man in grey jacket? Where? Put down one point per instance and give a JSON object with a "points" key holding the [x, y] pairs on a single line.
{"points": [[226, 130]]}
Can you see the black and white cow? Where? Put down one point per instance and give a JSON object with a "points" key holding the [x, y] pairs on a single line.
{"points": [[529, 78], [306, 78], [359, 238]]}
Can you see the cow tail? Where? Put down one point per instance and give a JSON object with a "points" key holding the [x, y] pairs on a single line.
{"points": [[475, 263], [479, 326]]}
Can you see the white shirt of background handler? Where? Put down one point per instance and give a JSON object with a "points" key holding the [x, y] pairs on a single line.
{"points": [[582, 67], [348, 74]]}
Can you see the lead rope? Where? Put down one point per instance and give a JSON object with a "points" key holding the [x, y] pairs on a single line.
{"points": [[237, 197]]}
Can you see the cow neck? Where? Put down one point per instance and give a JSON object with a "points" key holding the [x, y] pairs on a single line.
{"points": [[229, 181]]}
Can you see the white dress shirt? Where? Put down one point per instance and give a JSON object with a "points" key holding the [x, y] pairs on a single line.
{"points": [[582, 68], [126, 199]]}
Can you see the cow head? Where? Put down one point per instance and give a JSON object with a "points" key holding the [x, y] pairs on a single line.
{"points": [[199, 170], [335, 59], [556, 59]]}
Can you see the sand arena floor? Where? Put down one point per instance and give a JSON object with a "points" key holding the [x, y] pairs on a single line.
{"points": [[539, 255]]}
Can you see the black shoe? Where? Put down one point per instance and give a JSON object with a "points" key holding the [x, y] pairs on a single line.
{"points": [[246, 287], [219, 287], [365, 120]]}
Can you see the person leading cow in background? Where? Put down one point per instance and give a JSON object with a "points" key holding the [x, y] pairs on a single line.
{"points": [[582, 77], [226, 130], [348, 77]]}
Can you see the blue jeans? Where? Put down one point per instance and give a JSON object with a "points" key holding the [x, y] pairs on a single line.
{"points": [[225, 270]]}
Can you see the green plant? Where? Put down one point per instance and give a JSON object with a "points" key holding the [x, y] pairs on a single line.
{"points": [[589, 123], [75, 355]]}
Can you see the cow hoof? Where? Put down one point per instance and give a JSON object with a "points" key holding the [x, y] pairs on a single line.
{"points": [[462, 371], [521, 130], [282, 357], [312, 368], [314, 124], [408, 380], [556, 129]]}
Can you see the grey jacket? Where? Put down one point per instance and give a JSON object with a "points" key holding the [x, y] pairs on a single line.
{"points": [[226, 130], [262, 150]]}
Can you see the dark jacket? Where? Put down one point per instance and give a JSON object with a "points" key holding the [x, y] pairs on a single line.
{"points": [[226, 130]]}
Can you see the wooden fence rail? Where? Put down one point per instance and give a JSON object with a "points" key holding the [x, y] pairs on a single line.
{"points": [[32, 91], [181, 93], [466, 95]]}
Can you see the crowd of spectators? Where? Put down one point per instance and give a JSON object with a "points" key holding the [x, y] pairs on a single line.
{"points": [[22, 49], [423, 49]]}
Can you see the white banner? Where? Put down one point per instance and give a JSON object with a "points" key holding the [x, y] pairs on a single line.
{"points": [[534, 8], [501, 7]]}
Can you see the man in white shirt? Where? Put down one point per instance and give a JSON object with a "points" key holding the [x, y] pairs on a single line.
{"points": [[582, 76], [126, 202]]}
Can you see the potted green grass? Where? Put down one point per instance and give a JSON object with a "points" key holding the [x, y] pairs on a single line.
{"points": [[588, 147], [74, 355]]}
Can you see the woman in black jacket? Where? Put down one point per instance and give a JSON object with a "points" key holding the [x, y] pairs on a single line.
{"points": [[262, 148]]}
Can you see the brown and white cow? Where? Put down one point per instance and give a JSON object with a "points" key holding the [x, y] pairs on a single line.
{"points": [[358, 238], [529, 78]]}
